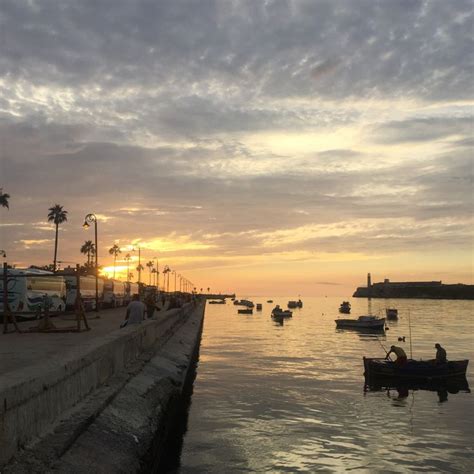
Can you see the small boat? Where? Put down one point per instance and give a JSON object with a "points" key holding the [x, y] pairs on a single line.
{"points": [[295, 304], [345, 307], [391, 313], [259, 306], [246, 303], [245, 311], [362, 322], [269, 301], [217, 302], [280, 313], [414, 369]]}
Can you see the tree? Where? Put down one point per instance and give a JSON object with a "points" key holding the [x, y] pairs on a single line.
{"points": [[88, 249], [139, 269], [150, 266], [115, 250], [57, 215], [4, 197]]}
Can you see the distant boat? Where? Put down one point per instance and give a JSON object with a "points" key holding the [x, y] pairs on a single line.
{"points": [[295, 304], [247, 303], [391, 313], [362, 322], [245, 311], [345, 307], [414, 369], [269, 301], [217, 302], [280, 313], [259, 306]]}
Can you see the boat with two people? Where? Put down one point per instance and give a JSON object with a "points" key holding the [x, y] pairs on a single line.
{"points": [[345, 307], [362, 322], [391, 314], [295, 304], [383, 368]]}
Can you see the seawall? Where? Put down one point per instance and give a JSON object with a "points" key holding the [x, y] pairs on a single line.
{"points": [[106, 406]]}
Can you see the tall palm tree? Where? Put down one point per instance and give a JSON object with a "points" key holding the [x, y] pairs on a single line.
{"points": [[4, 197], [150, 266], [115, 250], [57, 215], [139, 269], [88, 249]]}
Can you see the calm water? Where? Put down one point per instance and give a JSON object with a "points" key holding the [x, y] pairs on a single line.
{"points": [[271, 398]]}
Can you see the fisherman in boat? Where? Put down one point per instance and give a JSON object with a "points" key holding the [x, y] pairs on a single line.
{"points": [[400, 353], [441, 357]]}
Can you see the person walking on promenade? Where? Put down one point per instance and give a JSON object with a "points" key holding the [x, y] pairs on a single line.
{"points": [[150, 305], [135, 311], [400, 353], [441, 357]]}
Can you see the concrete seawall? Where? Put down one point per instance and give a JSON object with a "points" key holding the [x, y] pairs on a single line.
{"points": [[106, 405]]}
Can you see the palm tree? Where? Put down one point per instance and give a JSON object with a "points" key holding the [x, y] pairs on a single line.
{"points": [[57, 215], [88, 249], [114, 250], [139, 269], [150, 266], [4, 197]]}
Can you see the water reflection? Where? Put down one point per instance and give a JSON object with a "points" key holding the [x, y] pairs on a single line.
{"points": [[400, 389], [297, 391]]}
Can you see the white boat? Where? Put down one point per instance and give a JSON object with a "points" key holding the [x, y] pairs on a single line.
{"points": [[363, 322], [246, 303]]}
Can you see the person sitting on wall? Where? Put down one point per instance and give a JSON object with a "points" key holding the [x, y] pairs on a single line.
{"points": [[135, 311], [441, 357], [400, 353]]}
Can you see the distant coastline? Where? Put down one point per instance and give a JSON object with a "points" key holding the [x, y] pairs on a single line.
{"points": [[435, 290]]}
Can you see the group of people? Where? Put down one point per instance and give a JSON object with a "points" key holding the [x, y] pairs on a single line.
{"points": [[402, 359]]}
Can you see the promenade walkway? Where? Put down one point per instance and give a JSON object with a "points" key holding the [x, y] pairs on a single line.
{"points": [[27, 350]]}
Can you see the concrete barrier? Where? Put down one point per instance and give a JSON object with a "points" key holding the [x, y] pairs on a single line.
{"points": [[31, 402]]}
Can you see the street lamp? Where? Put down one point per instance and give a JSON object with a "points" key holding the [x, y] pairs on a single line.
{"points": [[89, 219]]}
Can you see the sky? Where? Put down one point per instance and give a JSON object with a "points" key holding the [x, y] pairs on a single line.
{"points": [[273, 147]]}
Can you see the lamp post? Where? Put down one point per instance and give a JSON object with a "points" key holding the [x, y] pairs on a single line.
{"points": [[87, 221], [127, 259], [174, 271]]}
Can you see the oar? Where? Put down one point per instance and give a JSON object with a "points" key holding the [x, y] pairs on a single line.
{"points": [[383, 347]]}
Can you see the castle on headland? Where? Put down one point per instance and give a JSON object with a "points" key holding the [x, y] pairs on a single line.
{"points": [[414, 289]]}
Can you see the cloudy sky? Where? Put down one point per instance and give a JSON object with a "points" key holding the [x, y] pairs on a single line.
{"points": [[272, 147]]}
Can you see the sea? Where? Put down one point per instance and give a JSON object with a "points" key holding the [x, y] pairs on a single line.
{"points": [[290, 397]]}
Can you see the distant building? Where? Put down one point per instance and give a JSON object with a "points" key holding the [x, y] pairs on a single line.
{"points": [[414, 289]]}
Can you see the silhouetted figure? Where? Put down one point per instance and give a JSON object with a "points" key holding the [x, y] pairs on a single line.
{"points": [[150, 305], [441, 357], [400, 353], [135, 311]]}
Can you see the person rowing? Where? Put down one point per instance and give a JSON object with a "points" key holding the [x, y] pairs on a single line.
{"points": [[400, 353]]}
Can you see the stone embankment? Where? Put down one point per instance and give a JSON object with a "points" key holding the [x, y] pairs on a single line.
{"points": [[104, 406]]}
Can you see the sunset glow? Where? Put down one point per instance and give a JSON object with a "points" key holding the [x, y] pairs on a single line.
{"points": [[292, 166]]}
